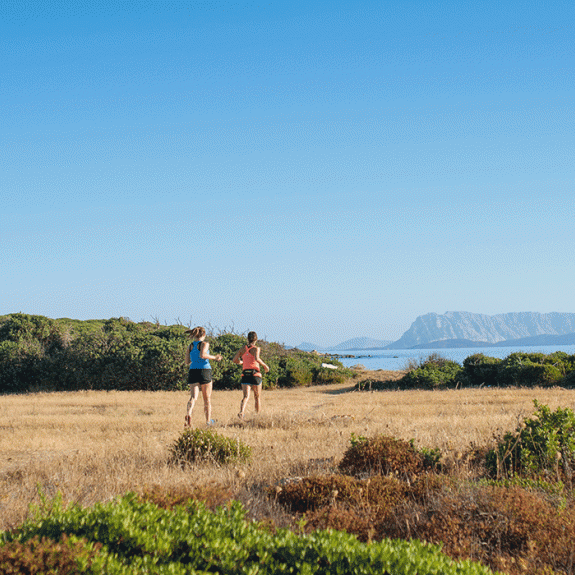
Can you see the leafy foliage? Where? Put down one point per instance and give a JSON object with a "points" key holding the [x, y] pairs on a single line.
{"points": [[434, 373], [529, 369], [40, 353], [196, 445], [478, 370], [138, 537], [543, 446]]}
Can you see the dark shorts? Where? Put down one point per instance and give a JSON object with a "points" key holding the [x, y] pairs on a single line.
{"points": [[199, 376], [250, 379]]}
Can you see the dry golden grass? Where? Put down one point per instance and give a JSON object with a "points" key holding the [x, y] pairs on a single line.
{"points": [[92, 446]]}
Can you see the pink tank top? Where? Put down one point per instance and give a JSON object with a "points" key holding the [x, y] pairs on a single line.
{"points": [[249, 361]]}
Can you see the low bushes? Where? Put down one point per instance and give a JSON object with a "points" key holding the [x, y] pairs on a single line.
{"points": [[66, 556], [136, 537], [521, 525], [435, 372], [478, 370], [45, 354]]}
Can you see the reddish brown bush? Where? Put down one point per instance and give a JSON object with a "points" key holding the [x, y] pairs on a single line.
{"points": [[40, 557], [382, 455], [378, 494], [509, 529]]}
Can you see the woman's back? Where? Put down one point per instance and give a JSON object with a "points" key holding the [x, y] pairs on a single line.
{"points": [[248, 358], [196, 362]]}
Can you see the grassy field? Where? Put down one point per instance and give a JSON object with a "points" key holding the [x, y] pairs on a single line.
{"points": [[92, 446]]}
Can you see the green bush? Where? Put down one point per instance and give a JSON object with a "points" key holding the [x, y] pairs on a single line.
{"points": [[137, 537], [480, 370], [529, 370], [435, 372], [542, 447], [568, 381], [198, 445]]}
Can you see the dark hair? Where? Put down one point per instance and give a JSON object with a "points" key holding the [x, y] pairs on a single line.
{"points": [[252, 337], [197, 332]]}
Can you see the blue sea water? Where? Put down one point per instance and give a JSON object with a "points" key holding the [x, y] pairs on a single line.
{"points": [[396, 359]]}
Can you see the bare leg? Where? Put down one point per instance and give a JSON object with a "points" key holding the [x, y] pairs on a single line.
{"points": [[194, 392], [207, 395], [257, 397], [246, 390]]}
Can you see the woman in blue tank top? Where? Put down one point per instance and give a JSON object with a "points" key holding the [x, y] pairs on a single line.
{"points": [[200, 373]]}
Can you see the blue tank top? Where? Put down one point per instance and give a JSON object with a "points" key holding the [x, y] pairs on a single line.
{"points": [[196, 362]]}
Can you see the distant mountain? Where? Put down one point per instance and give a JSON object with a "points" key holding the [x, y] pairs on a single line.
{"points": [[360, 343], [494, 329], [307, 346], [355, 343]]}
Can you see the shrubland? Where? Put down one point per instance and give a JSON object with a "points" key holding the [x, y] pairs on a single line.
{"points": [[519, 369], [42, 354]]}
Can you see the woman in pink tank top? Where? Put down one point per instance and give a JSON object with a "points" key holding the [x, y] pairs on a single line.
{"points": [[249, 358]]}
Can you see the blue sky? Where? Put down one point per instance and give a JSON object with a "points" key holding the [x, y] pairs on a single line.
{"points": [[314, 171]]}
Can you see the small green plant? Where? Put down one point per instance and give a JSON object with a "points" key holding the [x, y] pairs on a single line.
{"points": [[541, 447], [196, 445]]}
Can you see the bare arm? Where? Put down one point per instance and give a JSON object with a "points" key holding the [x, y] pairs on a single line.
{"points": [[187, 356], [237, 358], [260, 361], [204, 352]]}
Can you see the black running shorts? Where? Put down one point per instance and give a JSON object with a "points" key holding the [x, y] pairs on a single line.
{"points": [[199, 376], [250, 379]]}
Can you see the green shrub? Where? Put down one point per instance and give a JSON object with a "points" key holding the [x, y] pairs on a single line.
{"points": [[480, 370], [529, 370], [542, 447], [197, 445], [21, 365], [295, 372], [435, 372], [327, 376], [37, 352]]}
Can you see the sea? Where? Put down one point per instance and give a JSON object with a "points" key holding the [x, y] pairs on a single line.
{"points": [[397, 359]]}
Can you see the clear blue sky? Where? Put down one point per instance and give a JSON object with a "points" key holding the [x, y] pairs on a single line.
{"points": [[314, 171]]}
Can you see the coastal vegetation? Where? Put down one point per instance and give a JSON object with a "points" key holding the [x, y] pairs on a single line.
{"points": [[42, 354], [517, 369]]}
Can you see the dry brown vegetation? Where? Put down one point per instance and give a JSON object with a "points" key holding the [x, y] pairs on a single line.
{"points": [[91, 446]]}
